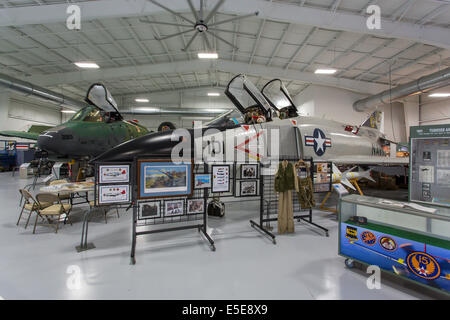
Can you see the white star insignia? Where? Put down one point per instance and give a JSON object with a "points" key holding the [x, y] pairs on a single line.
{"points": [[320, 142]]}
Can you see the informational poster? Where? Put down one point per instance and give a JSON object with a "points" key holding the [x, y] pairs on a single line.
{"points": [[114, 174], [443, 158], [220, 178], [322, 177], [114, 194], [443, 177]]}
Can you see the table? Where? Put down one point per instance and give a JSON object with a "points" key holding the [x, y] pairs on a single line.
{"points": [[75, 188]]}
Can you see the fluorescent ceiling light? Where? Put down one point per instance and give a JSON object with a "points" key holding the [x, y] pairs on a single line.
{"points": [[141, 100], [208, 55], [325, 71], [87, 65], [67, 111], [213, 94], [439, 95]]}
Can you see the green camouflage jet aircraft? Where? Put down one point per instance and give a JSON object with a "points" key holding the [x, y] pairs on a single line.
{"points": [[91, 131]]}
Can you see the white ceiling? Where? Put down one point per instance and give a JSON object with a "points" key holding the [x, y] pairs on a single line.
{"points": [[133, 61]]}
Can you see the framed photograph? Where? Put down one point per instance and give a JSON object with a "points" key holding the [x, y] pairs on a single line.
{"points": [[114, 194], [202, 181], [114, 174], [248, 188], [195, 206], [160, 179], [220, 178], [150, 210], [249, 171], [173, 208]]}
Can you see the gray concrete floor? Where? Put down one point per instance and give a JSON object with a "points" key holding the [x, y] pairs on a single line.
{"points": [[179, 265]]}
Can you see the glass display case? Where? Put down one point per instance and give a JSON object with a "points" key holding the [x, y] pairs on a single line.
{"points": [[403, 238]]}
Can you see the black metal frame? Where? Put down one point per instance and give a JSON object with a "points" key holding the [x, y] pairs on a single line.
{"points": [[84, 244], [201, 227], [308, 218]]}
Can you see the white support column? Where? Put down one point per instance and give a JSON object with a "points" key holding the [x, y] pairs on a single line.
{"points": [[4, 109]]}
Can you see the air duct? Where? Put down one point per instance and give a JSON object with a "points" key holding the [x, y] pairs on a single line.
{"points": [[30, 89], [424, 84]]}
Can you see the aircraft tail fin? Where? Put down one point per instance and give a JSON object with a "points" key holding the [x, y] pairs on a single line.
{"points": [[366, 174], [375, 121]]}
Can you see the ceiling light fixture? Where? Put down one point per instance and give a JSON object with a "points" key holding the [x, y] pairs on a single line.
{"points": [[141, 100], [213, 94], [68, 111], [208, 55], [439, 95], [325, 71], [87, 65]]}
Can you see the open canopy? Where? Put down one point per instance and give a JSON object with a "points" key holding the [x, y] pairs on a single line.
{"points": [[246, 97], [278, 97], [100, 97]]}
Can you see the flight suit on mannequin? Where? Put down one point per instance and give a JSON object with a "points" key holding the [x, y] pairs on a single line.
{"points": [[303, 185], [284, 184]]}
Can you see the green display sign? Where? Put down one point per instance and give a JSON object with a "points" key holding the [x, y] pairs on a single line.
{"points": [[442, 130]]}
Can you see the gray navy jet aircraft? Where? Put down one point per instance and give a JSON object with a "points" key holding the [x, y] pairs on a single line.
{"points": [[272, 108]]}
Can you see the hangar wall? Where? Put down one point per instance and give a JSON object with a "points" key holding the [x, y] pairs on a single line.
{"points": [[435, 112]]}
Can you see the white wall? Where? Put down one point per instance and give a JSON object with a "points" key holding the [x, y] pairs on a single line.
{"points": [[438, 110]]}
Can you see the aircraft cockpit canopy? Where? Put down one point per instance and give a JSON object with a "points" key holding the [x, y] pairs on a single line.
{"points": [[100, 97], [278, 97], [249, 100]]}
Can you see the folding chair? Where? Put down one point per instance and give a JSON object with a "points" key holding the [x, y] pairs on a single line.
{"points": [[30, 205], [104, 209], [54, 211]]}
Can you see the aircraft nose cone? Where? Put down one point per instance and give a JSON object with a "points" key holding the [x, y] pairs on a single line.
{"points": [[48, 141]]}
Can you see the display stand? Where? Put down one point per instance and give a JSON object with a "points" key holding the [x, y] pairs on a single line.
{"points": [[117, 180], [160, 211], [269, 206]]}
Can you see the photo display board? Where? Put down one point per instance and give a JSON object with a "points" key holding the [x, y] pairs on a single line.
{"points": [[163, 178], [430, 165], [322, 179], [113, 184]]}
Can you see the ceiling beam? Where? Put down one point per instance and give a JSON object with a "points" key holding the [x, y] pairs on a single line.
{"points": [[204, 66], [283, 12]]}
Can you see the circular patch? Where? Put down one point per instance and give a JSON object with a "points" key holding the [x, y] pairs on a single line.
{"points": [[368, 238], [388, 243], [423, 265]]}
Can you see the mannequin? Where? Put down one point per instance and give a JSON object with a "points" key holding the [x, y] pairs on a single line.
{"points": [[303, 185], [284, 184]]}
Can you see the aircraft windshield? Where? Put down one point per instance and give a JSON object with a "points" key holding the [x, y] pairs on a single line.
{"points": [[245, 95], [277, 95], [228, 119]]}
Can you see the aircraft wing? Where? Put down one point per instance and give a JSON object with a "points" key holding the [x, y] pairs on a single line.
{"points": [[32, 134], [370, 160], [20, 134]]}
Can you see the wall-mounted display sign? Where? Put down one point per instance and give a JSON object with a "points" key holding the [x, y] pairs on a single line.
{"points": [[114, 174], [159, 179], [114, 194], [430, 165], [220, 178]]}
